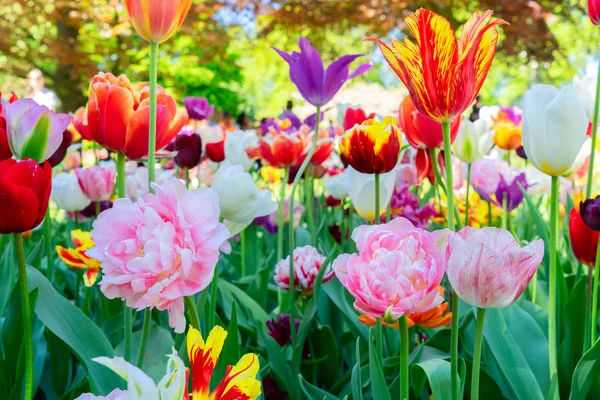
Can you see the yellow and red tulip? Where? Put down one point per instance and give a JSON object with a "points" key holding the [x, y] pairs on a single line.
{"points": [[443, 75], [157, 20], [76, 258], [239, 381]]}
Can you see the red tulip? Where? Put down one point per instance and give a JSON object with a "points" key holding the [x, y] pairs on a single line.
{"points": [[584, 240], [5, 152], [355, 116], [323, 149], [24, 192], [594, 11], [283, 149], [216, 151], [119, 115], [80, 123]]}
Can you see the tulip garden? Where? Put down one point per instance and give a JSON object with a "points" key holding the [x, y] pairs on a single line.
{"points": [[434, 253]]}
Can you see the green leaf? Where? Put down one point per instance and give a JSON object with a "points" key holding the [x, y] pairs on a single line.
{"points": [[356, 381], [437, 373], [73, 327], [8, 274], [255, 314], [314, 393], [378, 384], [231, 348], [552, 390], [337, 294], [36, 253], [280, 367], [586, 373]]}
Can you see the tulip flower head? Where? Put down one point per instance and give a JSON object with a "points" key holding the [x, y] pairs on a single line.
{"points": [[279, 329], [76, 258], [157, 20], [336, 185], [97, 182], [405, 203], [397, 270], [509, 192], [474, 140], [316, 84], [5, 152], [488, 268], [554, 128], [508, 135], [372, 147], [443, 75], [307, 263], [34, 131], [590, 212], [143, 259], [239, 381], [236, 146], [594, 11], [189, 150], [283, 149], [67, 193], [80, 126], [215, 151], [25, 188], [361, 188], [584, 240], [355, 116], [198, 108]]}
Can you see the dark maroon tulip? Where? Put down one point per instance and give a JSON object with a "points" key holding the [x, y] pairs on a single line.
{"points": [[590, 212], [61, 152], [521, 152], [189, 150]]}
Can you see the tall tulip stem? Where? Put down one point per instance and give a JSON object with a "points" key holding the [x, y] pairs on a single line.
{"points": [[377, 218], [48, 244], [26, 308], [467, 195], [292, 287], [554, 232], [144, 339], [280, 223], [477, 354], [192, 311], [588, 192], [449, 183], [404, 381], [594, 321], [309, 198], [152, 124]]}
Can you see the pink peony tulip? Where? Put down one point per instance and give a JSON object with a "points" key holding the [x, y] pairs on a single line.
{"points": [[159, 249], [488, 269], [96, 182], [397, 270], [307, 263]]}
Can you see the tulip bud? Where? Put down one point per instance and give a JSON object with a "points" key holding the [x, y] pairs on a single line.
{"points": [[157, 20], [34, 131], [590, 212], [474, 140]]}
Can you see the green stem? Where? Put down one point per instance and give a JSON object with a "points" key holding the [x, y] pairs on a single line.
{"points": [[588, 192], [534, 287], [48, 244], [404, 381], [280, 222], [388, 213], [377, 218], [97, 205], [186, 176], [152, 131], [552, 342], [490, 219], [595, 297], [588, 317], [26, 308], [309, 200], [144, 339], [449, 183], [467, 195], [379, 339], [127, 316], [244, 243], [454, 346], [121, 175], [440, 183], [190, 306], [76, 213], [297, 178], [477, 354], [213, 301], [505, 213]]}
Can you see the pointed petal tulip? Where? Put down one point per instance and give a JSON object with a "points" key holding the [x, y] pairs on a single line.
{"points": [[240, 381], [584, 240], [373, 147], [157, 20], [554, 128], [443, 76]]}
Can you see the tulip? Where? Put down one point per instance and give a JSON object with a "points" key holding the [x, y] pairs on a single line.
{"points": [[76, 258], [215, 151], [34, 131], [189, 150], [435, 70], [307, 263], [585, 86], [355, 116], [240, 199], [67, 193], [97, 182], [373, 147], [504, 191], [337, 185], [554, 128], [361, 188], [474, 140], [283, 149], [157, 20], [508, 136], [25, 190], [61, 152], [590, 213], [594, 11], [118, 116], [236, 145], [316, 84], [280, 330], [323, 148], [405, 203], [80, 123], [198, 108], [584, 240], [5, 152]]}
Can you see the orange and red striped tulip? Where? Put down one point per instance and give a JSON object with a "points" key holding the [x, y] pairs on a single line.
{"points": [[443, 75], [76, 258], [157, 20], [282, 149], [373, 147]]}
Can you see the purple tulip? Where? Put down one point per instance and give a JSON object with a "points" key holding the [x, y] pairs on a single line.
{"points": [[189, 150], [514, 114], [590, 212], [269, 123], [310, 121], [316, 84], [198, 108], [511, 191]]}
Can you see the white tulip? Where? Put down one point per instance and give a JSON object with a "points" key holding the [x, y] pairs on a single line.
{"points": [[67, 193], [554, 127], [239, 198], [473, 141], [337, 185], [236, 144], [361, 188], [585, 87]]}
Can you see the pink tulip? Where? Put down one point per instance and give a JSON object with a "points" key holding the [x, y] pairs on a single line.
{"points": [[397, 270], [96, 182], [158, 250], [488, 269], [307, 263]]}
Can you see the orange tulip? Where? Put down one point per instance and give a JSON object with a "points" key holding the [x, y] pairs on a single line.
{"points": [[433, 318], [281, 149], [443, 75], [157, 20], [373, 147], [118, 115]]}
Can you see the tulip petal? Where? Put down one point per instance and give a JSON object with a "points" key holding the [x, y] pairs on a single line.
{"points": [[109, 111]]}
